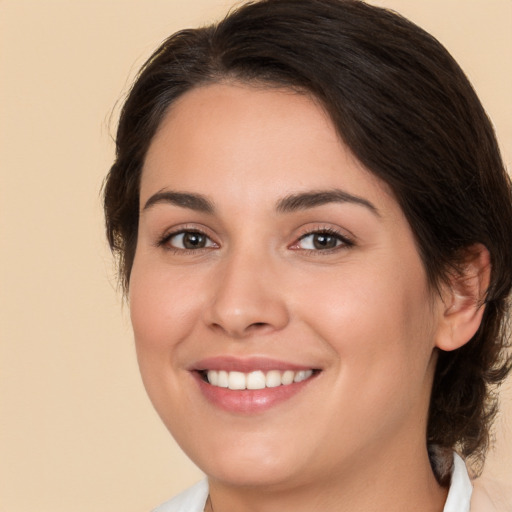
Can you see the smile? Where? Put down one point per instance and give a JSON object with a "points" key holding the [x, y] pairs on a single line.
{"points": [[258, 379], [251, 385]]}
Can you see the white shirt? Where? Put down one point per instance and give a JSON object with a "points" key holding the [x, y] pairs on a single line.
{"points": [[459, 494]]}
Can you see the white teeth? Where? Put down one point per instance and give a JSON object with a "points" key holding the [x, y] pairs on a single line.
{"points": [[213, 377], [287, 377], [273, 379], [236, 380], [257, 379], [223, 381], [302, 375]]}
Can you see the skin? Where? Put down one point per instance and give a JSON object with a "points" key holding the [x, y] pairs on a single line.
{"points": [[363, 313]]}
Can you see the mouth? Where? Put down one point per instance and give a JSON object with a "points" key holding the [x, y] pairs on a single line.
{"points": [[255, 380], [251, 385]]}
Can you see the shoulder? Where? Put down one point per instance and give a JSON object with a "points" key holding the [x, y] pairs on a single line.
{"points": [[491, 496], [191, 500], [480, 495]]}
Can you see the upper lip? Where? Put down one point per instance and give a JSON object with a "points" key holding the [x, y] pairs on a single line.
{"points": [[246, 364]]}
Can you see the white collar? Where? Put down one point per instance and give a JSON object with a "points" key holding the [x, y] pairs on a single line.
{"points": [[459, 495]]}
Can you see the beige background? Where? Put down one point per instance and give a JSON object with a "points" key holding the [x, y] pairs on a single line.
{"points": [[76, 430]]}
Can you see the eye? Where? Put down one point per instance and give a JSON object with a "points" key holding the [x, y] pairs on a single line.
{"points": [[188, 241], [322, 241]]}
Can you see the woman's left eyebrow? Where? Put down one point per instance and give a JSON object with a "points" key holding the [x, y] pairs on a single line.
{"points": [[306, 200]]}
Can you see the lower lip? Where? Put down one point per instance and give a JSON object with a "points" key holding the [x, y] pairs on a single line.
{"points": [[249, 401]]}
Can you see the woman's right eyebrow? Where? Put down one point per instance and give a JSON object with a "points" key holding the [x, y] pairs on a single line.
{"points": [[191, 201]]}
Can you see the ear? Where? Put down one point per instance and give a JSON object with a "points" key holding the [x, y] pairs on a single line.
{"points": [[463, 298]]}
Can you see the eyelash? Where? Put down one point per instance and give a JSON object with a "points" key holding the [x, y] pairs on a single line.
{"points": [[164, 241], [345, 242]]}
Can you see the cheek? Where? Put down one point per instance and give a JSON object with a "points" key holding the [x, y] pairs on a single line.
{"points": [[163, 306], [377, 320], [379, 326], [163, 315], [164, 310]]}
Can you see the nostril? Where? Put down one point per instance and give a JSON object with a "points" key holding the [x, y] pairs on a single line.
{"points": [[259, 327]]}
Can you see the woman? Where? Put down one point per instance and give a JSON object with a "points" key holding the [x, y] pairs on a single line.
{"points": [[314, 229]]}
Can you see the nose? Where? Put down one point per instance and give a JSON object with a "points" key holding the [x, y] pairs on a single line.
{"points": [[247, 298]]}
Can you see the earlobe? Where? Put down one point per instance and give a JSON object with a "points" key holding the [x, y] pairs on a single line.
{"points": [[464, 299]]}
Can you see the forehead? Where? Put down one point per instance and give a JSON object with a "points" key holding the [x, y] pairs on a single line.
{"points": [[244, 141]]}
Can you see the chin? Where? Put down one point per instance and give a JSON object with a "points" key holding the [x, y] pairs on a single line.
{"points": [[256, 465], [253, 474]]}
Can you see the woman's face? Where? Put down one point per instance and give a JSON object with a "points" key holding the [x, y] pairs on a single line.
{"points": [[269, 258]]}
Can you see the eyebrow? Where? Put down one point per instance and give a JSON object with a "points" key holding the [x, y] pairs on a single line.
{"points": [[288, 204], [195, 202], [306, 200]]}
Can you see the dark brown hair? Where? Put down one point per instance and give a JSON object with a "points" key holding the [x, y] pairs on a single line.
{"points": [[406, 110]]}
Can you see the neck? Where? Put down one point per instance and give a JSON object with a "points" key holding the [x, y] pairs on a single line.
{"points": [[374, 483]]}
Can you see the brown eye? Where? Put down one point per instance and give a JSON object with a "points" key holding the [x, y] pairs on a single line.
{"points": [[323, 241], [190, 240], [194, 241]]}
